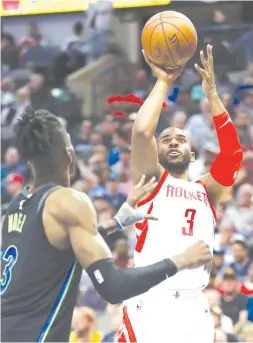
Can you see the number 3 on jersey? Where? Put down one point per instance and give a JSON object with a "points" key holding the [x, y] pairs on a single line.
{"points": [[189, 215], [9, 258]]}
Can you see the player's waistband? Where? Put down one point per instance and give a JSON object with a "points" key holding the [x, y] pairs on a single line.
{"points": [[177, 292]]}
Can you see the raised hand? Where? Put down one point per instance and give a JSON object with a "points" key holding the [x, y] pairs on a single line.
{"points": [[207, 72], [165, 74], [141, 190]]}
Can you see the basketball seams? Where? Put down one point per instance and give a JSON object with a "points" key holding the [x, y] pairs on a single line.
{"points": [[186, 20], [178, 31], [164, 36], [150, 39]]}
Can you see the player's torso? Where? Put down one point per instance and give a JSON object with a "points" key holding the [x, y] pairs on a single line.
{"points": [[38, 282], [184, 217]]}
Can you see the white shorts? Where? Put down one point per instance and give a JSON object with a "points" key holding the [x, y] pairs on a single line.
{"points": [[177, 316]]}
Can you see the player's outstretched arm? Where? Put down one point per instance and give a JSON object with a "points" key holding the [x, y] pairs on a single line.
{"points": [[144, 151], [128, 214], [226, 165], [75, 212]]}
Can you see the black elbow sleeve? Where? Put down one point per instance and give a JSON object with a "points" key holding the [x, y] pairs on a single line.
{"points": [[115, 285]]}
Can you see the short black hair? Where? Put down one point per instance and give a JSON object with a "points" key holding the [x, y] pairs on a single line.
{"points": [[40, 140]]}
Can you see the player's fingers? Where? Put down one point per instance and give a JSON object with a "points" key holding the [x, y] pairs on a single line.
{"points": [[150, 217], [141, 182], [151, 182], [200, 70], [210, 57], [203, 59], [150, 188]]}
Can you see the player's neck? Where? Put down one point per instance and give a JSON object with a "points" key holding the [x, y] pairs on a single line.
{"points": [[57, 179], [182, 176]]}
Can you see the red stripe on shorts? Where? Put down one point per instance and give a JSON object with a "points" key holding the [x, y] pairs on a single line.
{"points": [[129, 328]]}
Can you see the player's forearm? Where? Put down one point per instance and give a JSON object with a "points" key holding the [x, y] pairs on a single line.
{"points": [[116, 285], [108, 227], [216, 104], [149, 113]]}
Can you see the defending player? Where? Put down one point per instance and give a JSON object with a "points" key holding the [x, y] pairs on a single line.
{"points": [[50, 233], [176, 310]]}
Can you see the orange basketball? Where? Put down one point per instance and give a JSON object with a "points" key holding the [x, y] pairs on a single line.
{"points": [[169, 39]]}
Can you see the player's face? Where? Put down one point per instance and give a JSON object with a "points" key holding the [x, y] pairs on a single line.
{"points": [[174, 151]]}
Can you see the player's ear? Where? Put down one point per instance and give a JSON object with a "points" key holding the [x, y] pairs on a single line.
{"points": [[71, 158], [192, 159]]}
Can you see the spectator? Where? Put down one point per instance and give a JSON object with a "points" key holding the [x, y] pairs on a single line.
{"points": [[11, 165], [246, 104], [33, 30], [81, 139], [23, 101], [9, 51], [40, 94], [233, 303], [13, 186], [115, 313], [241, 214], [123, 168], [214, 301], [113, 185], [224, 238], [241, 262], [200, 126], [247, 284], [77, 36], [121, 254], [141, 84], [84, 326]]}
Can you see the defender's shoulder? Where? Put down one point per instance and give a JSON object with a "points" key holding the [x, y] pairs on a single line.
{"points": [[67, 204]]}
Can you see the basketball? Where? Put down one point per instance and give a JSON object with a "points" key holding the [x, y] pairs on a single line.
{"points": [[169, 39]]}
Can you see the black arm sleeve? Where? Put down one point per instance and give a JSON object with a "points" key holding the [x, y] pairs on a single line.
{"points": [[115, 285]]}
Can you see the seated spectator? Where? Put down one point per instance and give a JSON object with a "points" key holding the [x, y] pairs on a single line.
{"points": [[9, 51], [200, 126], [246, 104], [121, 254], [123, 167], [84, 326], [33, 29], [113, 185], [224, 238], [233, 303], [41, 96], [13, 186], [241, 214], [218, 260], [23, 101], [247, 284], [11, 165], [214, 301], [141, 85], [115, 313], [77, 36], [242, 261]]}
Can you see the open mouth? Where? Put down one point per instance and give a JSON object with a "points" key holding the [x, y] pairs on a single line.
{"points": [[173, 153]]}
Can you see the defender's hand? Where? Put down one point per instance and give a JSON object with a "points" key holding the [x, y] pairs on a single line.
{"points": [[140, 191], [164, 74], [207, 72], [197, 255], [128, 214]]}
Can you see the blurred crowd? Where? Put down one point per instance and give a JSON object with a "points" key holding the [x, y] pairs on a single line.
{"points": [[103, 170]]}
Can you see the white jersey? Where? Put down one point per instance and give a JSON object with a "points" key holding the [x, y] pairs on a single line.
{"points": [[185, 216]]}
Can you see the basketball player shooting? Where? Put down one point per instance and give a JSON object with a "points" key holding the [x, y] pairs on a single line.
{"points": [[176, 310], [50, 233]]}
